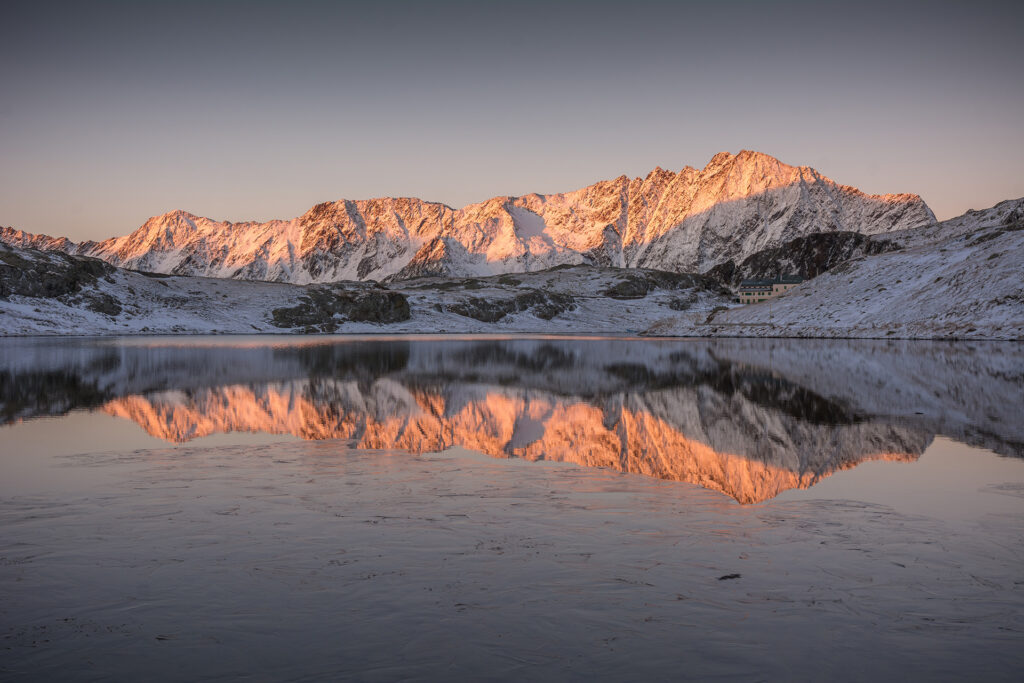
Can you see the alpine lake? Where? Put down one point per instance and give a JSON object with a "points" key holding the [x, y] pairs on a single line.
{"points": [[510, 508]]}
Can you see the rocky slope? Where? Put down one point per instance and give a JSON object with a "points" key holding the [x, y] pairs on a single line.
{"points": [[54, 274], [807, 256], [1005, 214], [686, 221], [813, 254]]}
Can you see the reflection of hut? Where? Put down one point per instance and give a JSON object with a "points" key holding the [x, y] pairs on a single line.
{"points": [[753, 291]]}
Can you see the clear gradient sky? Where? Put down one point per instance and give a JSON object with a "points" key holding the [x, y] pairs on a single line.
{"points": [[111, 112]]}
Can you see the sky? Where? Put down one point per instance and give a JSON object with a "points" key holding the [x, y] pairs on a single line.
{"points": [[111, 112]]}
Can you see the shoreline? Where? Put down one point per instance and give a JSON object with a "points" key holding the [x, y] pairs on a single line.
{"points": [[512, 333]]}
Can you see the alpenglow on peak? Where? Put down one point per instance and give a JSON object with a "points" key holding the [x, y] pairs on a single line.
{"points": [[685, 221]]}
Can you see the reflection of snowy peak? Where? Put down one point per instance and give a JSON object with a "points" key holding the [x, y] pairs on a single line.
{"points": [[686, 221], [720, 443], [747, 417]]}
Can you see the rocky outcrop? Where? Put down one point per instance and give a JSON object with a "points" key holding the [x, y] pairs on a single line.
{"points": [[544, 305], [56, 275], [30, 272], [807, 256], [323, 309]]}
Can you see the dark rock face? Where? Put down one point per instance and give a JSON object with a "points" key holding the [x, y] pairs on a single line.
{"points": [[103, 303], [56, 275], [1013, 222], [682, 303], [630, 287], [807, 256], [321, 305], [544, 305], [714, 311], [47, 274], [1015, 219]]}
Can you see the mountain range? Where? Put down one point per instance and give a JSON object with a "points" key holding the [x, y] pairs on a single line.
{"points": [[688, 221]]}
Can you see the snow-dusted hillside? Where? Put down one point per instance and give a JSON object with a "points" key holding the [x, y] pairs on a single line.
{"points": [[1008, 213], [967, 286], [118, 301], [813, 254], [82, 296], [688, 221]]}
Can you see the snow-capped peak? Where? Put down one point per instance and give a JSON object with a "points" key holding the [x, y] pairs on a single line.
{"points": [[689, 220]]}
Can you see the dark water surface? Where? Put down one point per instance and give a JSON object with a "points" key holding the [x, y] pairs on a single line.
{"points": [[441, 508]]}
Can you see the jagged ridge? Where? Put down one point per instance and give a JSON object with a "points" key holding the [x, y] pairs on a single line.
{"points": [[688, 221]]}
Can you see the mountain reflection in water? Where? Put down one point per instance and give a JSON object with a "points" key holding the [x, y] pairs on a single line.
{"points": [[749, 418]]}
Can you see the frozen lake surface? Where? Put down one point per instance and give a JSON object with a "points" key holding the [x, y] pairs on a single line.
{"points": [[510, 508]]}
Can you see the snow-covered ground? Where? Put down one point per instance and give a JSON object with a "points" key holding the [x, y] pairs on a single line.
{"points": [[1008, 212], [150, 305], [196, 305]]}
